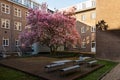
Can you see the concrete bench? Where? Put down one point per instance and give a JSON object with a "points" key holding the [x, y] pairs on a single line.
{"points": [[62, 61], [69, 69], [86, 58], [79, 62], [91, 63], [82, 60], [52, 67]]}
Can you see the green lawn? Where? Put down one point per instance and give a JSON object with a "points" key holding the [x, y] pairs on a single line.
{"points": [[95, 75], [9, 74]]}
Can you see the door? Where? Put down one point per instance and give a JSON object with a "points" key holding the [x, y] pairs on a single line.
{"points": [[93, 46]]}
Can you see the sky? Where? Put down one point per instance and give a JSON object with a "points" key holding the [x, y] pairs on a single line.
{"points": [[58, 4]]}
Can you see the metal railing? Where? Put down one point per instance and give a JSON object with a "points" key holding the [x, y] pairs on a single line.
{"points": [[4, 51], [19, 51]]}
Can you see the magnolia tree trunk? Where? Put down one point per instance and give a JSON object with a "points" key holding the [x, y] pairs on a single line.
{"points": [[53, 49]]}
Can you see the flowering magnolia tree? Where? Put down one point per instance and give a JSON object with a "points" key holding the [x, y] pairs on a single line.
{"points": [[50, 29]]}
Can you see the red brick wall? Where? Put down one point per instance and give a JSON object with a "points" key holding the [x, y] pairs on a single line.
{"points": [[11, 33], [84, 36], [108, 44]]}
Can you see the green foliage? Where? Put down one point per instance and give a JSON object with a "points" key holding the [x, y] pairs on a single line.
{"points": [[9, 74], [97, 74]]}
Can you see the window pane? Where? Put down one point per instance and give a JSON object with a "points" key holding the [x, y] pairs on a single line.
{"points": [[83, 45], [93, 15], [83, 30], [83, 17], [15, 25], [4, 42], [3, 7], [93, 3], [83, 5]]}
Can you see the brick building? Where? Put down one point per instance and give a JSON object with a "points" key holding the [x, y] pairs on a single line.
{"points": [[108, 17], [12, 21], [108, 42], [86, 14], [86, 21]]}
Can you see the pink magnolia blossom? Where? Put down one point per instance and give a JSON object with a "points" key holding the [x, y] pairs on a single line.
{"points": [[52, 30]]}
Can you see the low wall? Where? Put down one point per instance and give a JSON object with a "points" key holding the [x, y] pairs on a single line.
{"points": [[108, 44]]}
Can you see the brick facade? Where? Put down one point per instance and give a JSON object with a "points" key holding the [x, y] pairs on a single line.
{"points": [[11, 33], [88, 12], [88, 37], [85, 37], [108, 44], [109, 12]]}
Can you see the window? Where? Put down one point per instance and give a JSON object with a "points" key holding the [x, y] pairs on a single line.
{"points": [[35, 5], [83, 45], [17, 12], [83, 17], [17, 26], [19, 1], [93, 29], [93, 15], [26, 14], [93, 3], [5, 42], [83, 5], [27, 3], [5, 23], [93, 44], [5, 8], [17, 42], [83, 30]]}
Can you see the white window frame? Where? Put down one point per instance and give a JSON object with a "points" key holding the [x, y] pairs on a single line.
{"points": [[6, 40], [26, 14], [19, 1], [35, 5], [83, 17], [17, 12], [93, 29], [83, 5], [93, 15], [6, 7], [93, 42], [27, 3], [83, 29], [93, 3], [93, 46], [17, 26], [5, 22], [17, 42], [83, 44]]}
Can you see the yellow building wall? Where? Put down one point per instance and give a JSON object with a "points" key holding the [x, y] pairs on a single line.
{"points": [[109, 11], [88, 20]]}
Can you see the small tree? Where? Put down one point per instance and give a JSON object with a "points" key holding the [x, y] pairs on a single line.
{"points": [[53, 30]]}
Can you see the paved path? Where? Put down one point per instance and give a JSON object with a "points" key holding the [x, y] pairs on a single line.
{"points": [[114, 74]]}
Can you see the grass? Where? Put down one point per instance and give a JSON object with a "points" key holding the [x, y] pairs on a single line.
{"points": [[97, 74], [9, 74]]}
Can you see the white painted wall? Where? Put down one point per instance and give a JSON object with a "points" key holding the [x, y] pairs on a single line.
{"points": [[79, 7], [39, 48]]}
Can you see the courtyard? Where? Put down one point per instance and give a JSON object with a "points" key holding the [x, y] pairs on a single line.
{"points": [[30, 28], [35, 66]]}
